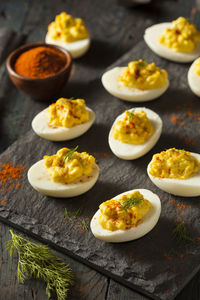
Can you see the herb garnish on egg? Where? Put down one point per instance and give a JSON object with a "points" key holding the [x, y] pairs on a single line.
{"points": [[67, 173], [70, 153], [70, 33], [67, 100], [176, 171], [130, 202], [64, 120], [137, 82], [130, 113], [127, 216], [134, 133], [177, 41]]}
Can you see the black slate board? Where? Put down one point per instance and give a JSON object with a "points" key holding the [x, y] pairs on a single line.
{"points": [[154, 264]]}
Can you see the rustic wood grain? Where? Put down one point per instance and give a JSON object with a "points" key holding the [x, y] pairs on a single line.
{"points": [[115, 30], [117, 292], [89, 284]]}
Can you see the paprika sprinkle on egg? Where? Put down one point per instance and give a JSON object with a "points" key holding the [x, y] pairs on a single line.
{"points": [[40, 62]]}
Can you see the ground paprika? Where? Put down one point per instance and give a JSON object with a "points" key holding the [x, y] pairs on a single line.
{"points": [[10, 174], [40, 62]]}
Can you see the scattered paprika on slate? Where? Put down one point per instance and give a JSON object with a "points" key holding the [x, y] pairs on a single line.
{"points": [[9, 176], [40, 62]]}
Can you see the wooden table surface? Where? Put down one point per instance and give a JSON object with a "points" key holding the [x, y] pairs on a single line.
{"points": [[114, 30]]}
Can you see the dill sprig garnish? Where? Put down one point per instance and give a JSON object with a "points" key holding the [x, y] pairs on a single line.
{"points": [[141, 63], [66, 215], [130, 202], [84, 225], [181, 234], [69, 216], [73, 215], [68, 100], [78, 212], [131, 114], [70, 153], [38, 261]]}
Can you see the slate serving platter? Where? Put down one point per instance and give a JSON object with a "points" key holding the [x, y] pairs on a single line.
{"points": [[155, 264]]}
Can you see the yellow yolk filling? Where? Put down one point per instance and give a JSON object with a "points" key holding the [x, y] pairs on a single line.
{"points": [[135, 128], [67, 165], [143, 76], [174, 163], [182, 37], [67, 29], [197, 67], [123, 213], [67, 113]]}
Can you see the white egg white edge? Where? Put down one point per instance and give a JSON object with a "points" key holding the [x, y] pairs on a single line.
{"points": [[40, 126], [130, 151], [189, 187], [76, 49], [151, 37], [146, 224], [42, 182], [194, 79], [116, 88]]}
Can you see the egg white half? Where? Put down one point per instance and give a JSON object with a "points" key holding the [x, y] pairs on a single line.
{"points": [[145, 225], [130, 151], [194, 79], [40, 125], [189, 187], [42, 182], [151, 37], [76, 49], [117, 89]]}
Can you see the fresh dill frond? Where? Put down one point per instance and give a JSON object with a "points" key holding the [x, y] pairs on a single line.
{"points": [[142, 63], [130, 202], [84, 225], [66, 215], [70, 153], [181, 234], [67, 100], [188, 19], [78, 212], [38, 261], [131, 114]]}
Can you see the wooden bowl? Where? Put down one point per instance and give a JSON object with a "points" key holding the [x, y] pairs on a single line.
{"points": [[42, 89]]}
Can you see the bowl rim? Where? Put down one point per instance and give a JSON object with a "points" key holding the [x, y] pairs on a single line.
{"points": [[14, 54]]}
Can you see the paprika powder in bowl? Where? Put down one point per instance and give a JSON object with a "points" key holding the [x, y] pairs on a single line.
{"points": [[39, 70]]}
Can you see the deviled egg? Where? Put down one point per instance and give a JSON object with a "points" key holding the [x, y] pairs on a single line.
{"points": [[63, 120], [178, 41], [69, 33], [134, 133], [176, 172], [127, 216], [138, 82], [68, 173], [194, 77]]}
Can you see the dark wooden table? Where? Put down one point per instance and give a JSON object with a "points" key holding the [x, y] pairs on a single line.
{"points": [[114, 30]]}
